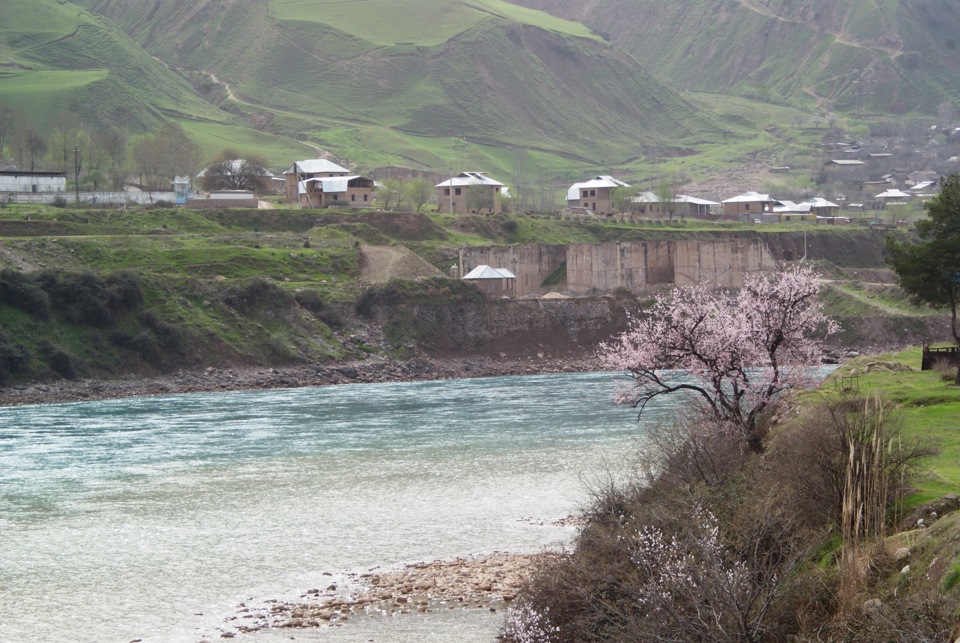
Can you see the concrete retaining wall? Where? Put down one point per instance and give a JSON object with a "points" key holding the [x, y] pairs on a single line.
{"points": [[636, 266]]}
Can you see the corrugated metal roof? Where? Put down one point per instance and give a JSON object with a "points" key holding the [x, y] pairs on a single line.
{"points": [[328, 184], [749, 197], [602, 181], [893, 194], [486, 272], [683, 198], [468, 178], [820, 202], [316, 166], [846, 162], [789, 206]]}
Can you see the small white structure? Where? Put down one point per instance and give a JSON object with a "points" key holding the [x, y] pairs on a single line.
{"points": [[493, 281], [33, 182]]}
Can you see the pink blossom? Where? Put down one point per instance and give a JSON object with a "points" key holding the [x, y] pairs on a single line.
{"points": [[734, 352]]}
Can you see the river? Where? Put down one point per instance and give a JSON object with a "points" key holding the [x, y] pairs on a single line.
{"points": [[152, 518]]}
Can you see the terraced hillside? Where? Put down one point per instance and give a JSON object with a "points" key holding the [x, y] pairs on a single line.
{"points": [[897, 56]]}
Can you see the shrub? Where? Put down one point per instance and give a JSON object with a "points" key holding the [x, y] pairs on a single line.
{"points": [[59, 361], [20, 291], [167, 335], [310, 299], [84, 298], [256, 295], [14, 358]]}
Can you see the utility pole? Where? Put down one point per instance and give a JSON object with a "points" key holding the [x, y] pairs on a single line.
{"points": [[76, 172]]}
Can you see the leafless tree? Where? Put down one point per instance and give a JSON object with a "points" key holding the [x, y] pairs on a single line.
{"points": [[231, 170]]}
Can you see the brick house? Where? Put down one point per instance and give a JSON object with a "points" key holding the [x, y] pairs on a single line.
{"points": [[319, 183], [595, 194], [469, 192], [748, 204]]}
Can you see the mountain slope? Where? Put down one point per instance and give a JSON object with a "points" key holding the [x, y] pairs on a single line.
{"points": [[896, 56], [497, 74]]}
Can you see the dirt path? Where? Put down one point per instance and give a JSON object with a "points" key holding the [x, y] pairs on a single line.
{"points": [[382, 263]]}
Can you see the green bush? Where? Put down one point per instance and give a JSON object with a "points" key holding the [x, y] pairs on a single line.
{"points": [[84, 298], [21, 291], [311, 300], [256, 295], [59, 361], [14, 358]]}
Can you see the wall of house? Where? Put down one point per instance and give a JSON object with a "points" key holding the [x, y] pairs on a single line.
{"points": [[460, 200], [32, 183]]}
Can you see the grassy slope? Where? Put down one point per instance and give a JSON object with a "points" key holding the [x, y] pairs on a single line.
{"points": [[795, 49], [56, 58], [189, 262], [928, 404], [501, 75]]}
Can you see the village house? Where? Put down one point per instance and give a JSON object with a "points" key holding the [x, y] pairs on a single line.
{"points": [[496, 282], [820, 207], [748, 204], [697, 207], [34, 182], [681, 206], [319, 183], [469, 192], [595, 195]]}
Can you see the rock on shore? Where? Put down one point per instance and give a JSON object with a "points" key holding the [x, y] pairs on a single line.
{"points": [[486, 582]]}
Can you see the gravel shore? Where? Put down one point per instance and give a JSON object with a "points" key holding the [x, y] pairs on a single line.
{"points": [[483, 582]]}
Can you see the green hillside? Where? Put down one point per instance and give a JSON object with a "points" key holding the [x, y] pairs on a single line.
{"points": [[383, 84], [56, 59], [892, 56]]}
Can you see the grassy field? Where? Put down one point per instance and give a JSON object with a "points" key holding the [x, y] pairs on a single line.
{"points": [[928, 403]]}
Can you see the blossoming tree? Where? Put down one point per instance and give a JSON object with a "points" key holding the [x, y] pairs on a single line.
{"points": [[734, 352]]}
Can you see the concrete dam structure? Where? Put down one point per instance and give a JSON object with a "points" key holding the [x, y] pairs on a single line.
{"points": [[638, 266]]}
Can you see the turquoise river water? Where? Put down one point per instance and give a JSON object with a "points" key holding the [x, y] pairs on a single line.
{"points": [[152, 518]]}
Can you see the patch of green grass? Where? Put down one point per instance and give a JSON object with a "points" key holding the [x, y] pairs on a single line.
{"points": [[416, 22], [930, 408]]}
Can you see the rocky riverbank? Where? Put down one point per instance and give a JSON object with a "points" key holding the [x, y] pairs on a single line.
{"points": [[484, 582], [243, 379]]}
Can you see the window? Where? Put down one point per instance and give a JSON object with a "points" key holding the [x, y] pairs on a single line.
{"points": [[446, 191], [593, 193], [364, 197], [746, 206], [353, 197], [456, 191], [586, 193]]}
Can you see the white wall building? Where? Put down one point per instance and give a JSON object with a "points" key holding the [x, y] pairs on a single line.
{"points": [[33, 182]]}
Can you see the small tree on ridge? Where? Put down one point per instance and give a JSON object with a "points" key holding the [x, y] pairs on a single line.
{"points": [[733, 352]]}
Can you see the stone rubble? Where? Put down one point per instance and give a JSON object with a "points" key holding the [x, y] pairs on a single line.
{"points": [[486, 582]]}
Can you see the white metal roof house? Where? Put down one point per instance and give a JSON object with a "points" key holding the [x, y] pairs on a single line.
{"points": [[595, 195], [309, 169], [748, 204], [454, 194], [493, 281]]}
